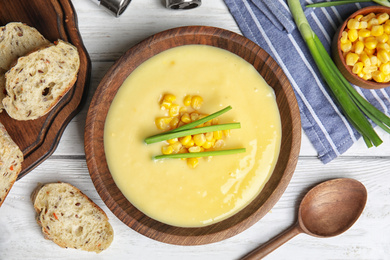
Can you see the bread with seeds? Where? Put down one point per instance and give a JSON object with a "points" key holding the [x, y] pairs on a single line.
{"points": [[11, 158], [70, 219], [16, 40], [38, 80]]}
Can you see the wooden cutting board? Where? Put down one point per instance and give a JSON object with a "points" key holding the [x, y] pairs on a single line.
{"points": [[54, 19]]}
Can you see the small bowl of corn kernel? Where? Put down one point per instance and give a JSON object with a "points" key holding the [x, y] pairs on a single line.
{"points": [[361, 48]]}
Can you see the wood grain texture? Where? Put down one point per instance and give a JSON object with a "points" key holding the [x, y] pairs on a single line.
{"points": [[106, 39], [39, 138], [109, 86]]}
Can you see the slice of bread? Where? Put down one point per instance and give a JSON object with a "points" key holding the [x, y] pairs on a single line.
{"points": [[38, 80], [16, 40], [70, 219], [11, 159]]}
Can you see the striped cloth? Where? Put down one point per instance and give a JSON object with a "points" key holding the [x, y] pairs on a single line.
{"points": [[269, 24]]}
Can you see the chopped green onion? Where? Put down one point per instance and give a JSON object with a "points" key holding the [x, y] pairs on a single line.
{"points": [[193, 131], [199, 154], [352, 104], [202, 120]]}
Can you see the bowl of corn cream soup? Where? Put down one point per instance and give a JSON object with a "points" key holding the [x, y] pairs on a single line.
{"points": [[193, 135]]}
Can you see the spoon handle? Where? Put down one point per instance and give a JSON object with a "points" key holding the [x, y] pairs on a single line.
{"points": [[274, 243]]}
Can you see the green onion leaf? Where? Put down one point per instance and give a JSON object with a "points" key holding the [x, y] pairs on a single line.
{"points": [[199, 154], [193, 131], [334, 3]]}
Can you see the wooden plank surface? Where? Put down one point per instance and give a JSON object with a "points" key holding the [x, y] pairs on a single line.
{"points": [[106, 38]]}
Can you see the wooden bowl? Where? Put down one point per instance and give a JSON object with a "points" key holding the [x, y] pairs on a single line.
{"points": [[108, 87], [337, 54], [54, 19]]}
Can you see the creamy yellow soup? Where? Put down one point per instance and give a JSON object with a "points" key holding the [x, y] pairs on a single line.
{"points": [[168, 190]]}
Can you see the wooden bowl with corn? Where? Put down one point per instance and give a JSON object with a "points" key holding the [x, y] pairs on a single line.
{"points": [[361, 48], [104, 95]]}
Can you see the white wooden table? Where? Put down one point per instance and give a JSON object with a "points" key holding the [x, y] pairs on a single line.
{"points": [[106, 38]]}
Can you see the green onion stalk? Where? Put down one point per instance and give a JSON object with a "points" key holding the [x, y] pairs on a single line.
{"points": [[355, 107], [343, 2]]}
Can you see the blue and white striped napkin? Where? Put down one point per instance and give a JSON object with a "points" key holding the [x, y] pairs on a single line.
{"points": [[270, 25]]}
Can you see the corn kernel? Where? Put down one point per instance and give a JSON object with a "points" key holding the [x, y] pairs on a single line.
{"points": [[385, 68], [385, 46], [383, 56], [209, 136], [368, 17], [172, 141], [374, 60], [377, 30], [364, 33], [226, 132], [344, 37], [378, 76], [370, 43], [185, 139], [357, 68], [359, 47], [346, 47], [365, 59], [372, 22], [194, 116], [162, 123], [174, 122], [192, 162], [215, 121], [367, 76], [169, 97], [174, 110], [369, 69], [194, 149], [387, 78], [353, 35], [363, 25], [359, 17], [165, 105], [176, 146], [383, 17], [167, 149], [353, 24], [386, 28], [219, 144], [185, 118], [369, 51], [382, 38], [208, 145], [196, 102], [187, 100], [190, 143], [217, 134], [351, 58], [199, 139]]}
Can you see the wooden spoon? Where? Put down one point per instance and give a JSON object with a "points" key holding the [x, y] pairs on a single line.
{"points": [[327, 210]]}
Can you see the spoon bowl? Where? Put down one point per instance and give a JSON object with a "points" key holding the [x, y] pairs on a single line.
{"points": [[327, 210]]}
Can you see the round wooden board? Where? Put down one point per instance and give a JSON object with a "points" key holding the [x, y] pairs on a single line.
{"points": [[109, 86], [54, 19]]}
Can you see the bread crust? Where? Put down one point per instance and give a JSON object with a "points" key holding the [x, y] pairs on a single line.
{"points": [[16, 40], [70, 219], [11, 158], [40, 79]]}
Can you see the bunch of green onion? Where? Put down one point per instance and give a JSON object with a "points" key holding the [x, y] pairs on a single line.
{"points": [[354, 106]]}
